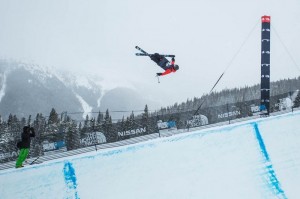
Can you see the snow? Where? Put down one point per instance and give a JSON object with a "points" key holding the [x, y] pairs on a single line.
{"points": [[84, 82], [253, 159], [87, 109], [41, 72]]}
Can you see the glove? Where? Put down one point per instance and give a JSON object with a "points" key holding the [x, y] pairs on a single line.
{"points": [[158, 74], [173, 59]]}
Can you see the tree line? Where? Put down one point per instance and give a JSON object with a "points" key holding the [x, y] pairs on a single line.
{"points": [[231, 96]]}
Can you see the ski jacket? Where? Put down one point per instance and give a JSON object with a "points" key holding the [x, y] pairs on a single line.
{"points": [[168, 71], [26, 136], [169, 68]]}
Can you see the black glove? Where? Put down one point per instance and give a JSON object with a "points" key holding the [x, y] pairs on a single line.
{"points": [[173, 59], [158, 74]]}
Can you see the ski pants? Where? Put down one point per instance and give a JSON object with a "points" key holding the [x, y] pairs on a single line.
{"points": [[22, 156]]}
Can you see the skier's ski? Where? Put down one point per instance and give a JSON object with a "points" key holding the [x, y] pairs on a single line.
{"points": [[142, 54]]}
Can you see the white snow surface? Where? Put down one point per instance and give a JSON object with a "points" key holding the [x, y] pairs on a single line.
{"points": [[87, 109], [254, 159]]}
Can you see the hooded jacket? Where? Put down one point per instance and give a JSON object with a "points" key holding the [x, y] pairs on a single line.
{"points": [[26, 136]]}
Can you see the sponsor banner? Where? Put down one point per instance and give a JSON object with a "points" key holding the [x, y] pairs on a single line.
{"points": [[166, 125], [93, 138], [197, 120], [53, 145], [258, 110], [229, 114], [138, 131]]}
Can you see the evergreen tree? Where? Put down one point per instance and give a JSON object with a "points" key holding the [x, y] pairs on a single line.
{"points": [[132, 121], [127, 124], [106, 117], [53, 117], [92, 124], [145, 119], [2, 126], [99, 118], [123, 125], [297, 101], [80, 126], [108, 127], [10, 120], [14, 123], [39, 128], [86, 124], [29, 120], [72, 136], [53, 128]]}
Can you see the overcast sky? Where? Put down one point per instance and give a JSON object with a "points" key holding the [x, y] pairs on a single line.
{"points": [[99, 36]]}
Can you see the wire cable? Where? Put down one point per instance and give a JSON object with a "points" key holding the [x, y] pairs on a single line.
{"points": [[286, 49], [229, 64]]}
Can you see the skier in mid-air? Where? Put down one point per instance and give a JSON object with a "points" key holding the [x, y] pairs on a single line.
{"points": [[164, 64], [161, 60]]}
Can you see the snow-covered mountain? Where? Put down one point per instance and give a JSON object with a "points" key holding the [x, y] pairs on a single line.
{"points": [[28, 89]]}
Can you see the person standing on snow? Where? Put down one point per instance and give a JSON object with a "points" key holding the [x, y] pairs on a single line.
{"points": [[164, 64], [24, 145]]}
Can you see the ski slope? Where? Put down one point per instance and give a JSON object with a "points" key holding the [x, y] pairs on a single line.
{"points": [[254, 159]]}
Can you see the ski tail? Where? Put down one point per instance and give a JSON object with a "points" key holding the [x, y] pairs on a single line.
{"points": [[144, 52]]}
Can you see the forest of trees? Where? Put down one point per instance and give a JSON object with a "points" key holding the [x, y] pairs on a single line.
{"points": [[230, 96], [61, 127]]}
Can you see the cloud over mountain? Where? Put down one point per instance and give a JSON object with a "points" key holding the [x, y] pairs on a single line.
{"points": [[28, 89]]}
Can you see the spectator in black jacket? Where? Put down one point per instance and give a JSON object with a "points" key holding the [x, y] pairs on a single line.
{"points": [[24, 145]]}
